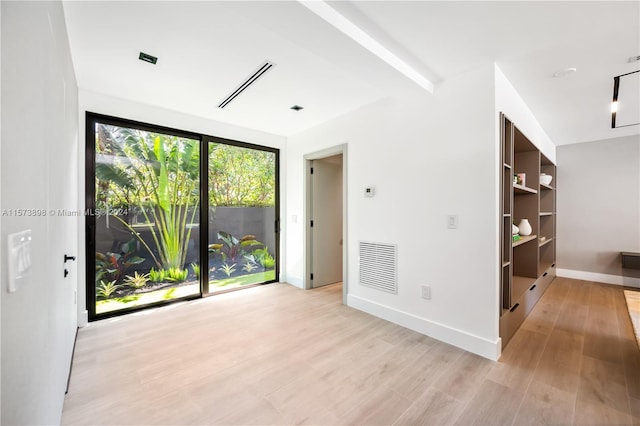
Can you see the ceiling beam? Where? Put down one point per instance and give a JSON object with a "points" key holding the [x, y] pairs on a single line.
{"points": [[330, 15]]}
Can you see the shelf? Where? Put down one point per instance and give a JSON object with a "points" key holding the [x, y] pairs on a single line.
{"points": [[506, 264], [524, 240], [546, 213], [506, 166], [519, 189], [545, 242], [543, 186], [506, 215]]}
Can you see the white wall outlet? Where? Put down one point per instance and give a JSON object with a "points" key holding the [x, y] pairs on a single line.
{"points": [[426, 292], [452, 221]]}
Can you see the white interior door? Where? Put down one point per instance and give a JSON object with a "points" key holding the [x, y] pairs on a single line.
{"points": [[326, 216]]}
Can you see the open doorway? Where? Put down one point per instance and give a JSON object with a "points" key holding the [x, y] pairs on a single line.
{"points": [[326, 219]]}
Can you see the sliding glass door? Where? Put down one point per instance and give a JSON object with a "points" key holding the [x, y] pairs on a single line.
{"points": [[145, 217], [173, 215], [242, 216]]}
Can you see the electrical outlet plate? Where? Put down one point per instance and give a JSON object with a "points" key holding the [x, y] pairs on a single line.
{"points": [[426, 292]]}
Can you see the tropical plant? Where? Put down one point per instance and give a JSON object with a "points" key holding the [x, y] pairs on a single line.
{"points": [[176, 275], [113, 266], [106, 289], [228, 269], [157, 276], [159, 173], [268, 262], [264, 258], [136, 280], [234, 248], [249, 267], [196, 269]]}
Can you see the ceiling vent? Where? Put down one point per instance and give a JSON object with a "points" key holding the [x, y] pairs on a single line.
{"points": [[248, 82], [148, 58]]}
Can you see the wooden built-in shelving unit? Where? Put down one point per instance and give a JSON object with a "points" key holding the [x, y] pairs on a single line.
{"points": [[527, 268]]}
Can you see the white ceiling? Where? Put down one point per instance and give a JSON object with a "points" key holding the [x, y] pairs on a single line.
{"points": [[207, 48]]}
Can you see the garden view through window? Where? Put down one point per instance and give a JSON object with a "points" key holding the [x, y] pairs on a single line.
{"points": [[148, 225]]}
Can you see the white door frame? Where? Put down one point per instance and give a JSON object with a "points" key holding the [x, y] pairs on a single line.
{"points": [[328, 152]]}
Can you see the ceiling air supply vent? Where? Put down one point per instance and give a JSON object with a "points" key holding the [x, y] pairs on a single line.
{"points": [[248, 82], [379, 266]]}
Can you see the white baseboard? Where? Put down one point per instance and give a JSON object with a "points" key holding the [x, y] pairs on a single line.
{"points": [[480, 346], [295, 281], [597, 277]]}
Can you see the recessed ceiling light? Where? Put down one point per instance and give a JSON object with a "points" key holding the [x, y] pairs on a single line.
{"points": [[297, 108], [565, 72], [147, 58]]}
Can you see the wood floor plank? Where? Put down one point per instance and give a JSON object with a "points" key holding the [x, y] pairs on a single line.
{"points": [[433, 407], [517, 366], [544, 404], [278, 355], [464, 376], [560, 362], [492, 404]]}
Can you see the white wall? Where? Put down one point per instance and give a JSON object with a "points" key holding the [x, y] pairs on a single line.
{"points": [[108, 105], [39, 171], [599, 209], [509, 102], [427, 157]]}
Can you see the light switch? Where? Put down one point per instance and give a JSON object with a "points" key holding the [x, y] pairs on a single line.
{"points": [[294, 218], [19, 264], [452, 221]]}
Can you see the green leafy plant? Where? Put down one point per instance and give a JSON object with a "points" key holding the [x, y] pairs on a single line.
{"points": [[268, 262], [157, 276], [264, 258], [228, 269], [177, 275], [136, 280], [234, 248], [196, 269], [159, 173], [113, 266], [106, 289], [249, 267], [241, 177]]}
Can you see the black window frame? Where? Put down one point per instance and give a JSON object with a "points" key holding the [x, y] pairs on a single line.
{"points": [[91, 119]]}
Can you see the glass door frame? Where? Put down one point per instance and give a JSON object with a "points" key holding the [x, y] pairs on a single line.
{"points": [[91, 119], [204, 207]]}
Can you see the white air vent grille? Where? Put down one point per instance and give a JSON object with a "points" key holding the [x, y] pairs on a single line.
{"points": [[379, 266]]}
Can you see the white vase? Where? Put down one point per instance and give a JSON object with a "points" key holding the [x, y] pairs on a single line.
{"points": [[525, 227], [514, 230]]}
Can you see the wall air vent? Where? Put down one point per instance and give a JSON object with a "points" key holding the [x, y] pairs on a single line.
{"points": [[262, 69], [379, 266]]}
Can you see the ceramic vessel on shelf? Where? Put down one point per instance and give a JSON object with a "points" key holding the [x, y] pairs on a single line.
{"points": [[514, 230], [525, 227], [545, 179]]}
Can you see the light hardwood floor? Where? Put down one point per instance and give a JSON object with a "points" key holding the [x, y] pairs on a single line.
{"points": [[279, 355]]}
